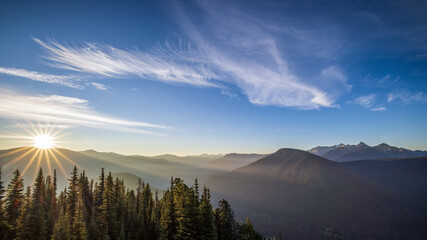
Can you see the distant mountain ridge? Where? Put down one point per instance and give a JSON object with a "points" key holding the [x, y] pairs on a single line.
{"points": [[233, 161], [362, 151], [303, 195]]}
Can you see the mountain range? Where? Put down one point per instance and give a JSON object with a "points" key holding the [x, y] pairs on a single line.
{"points": [[305, 196], [156, 170], [361, 151], [293, 192]]}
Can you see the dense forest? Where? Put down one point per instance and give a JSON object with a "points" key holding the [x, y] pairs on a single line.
{"points": [[106, 209]]}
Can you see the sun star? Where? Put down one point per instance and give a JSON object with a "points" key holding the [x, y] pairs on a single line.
{"points": [[43, 141]]}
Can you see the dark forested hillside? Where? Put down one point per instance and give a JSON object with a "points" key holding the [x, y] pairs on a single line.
{"points": [[407, 176], [108, 210], [305, 196]]}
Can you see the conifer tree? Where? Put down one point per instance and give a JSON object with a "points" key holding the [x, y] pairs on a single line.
{"points": [[207, 222], [168, 221], [62, 229], [225, 222], [155, 217], [4, 228], [106, 213], [78, 227], [51, 205], [72, 194], [38, 209], [100, 189], [247, 231], [25, 223], [13, 202], [131, 226]]}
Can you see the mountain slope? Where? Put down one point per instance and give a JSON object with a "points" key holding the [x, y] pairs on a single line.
{"points": [[301, 194], [406, 176], [233, 161]]}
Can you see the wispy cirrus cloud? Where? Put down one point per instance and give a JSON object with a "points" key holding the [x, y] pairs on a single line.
{"points": [[247, 57], [377, 109], [66, 111], [63, 80], [245, 49], [172, 66], [406, 97], [99, 86], [368, 102]]}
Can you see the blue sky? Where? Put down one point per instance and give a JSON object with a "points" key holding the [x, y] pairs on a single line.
{"points": [[190, 77]]}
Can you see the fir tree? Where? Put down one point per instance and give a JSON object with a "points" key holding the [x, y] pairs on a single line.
{"points": [[4, 228], [247, 231], [62, 230], [38, 209], [168, 221], [207, 222], [78, 227], [25, 221], [225, 222], [14, 200]]}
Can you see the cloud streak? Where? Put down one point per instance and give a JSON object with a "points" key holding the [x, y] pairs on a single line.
{"points": [[66, 110], [108, 61], [369, 102], [407, 97], [99, 86], [68, 81], [254, 62]]}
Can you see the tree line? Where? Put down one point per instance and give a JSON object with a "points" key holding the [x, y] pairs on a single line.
{"points": [[107, 210]]}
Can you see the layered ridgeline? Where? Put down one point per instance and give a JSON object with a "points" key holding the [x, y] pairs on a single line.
{"points": [[305, 196], [109, 210], [155, 170], [361, 151]]}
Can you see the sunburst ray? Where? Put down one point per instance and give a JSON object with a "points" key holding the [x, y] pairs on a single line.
{"points": [[31, 161], [58, 163], [18, 158], [66, 158]]}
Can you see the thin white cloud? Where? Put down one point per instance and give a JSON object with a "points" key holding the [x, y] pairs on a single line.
{"points": [[369, 102], [99, 86], [378, 109], [229, 94], [246, 52], [334, 72], [63, 80], [407, 97], [67, 111], [108, 61], [366, 101], [255, 65]]}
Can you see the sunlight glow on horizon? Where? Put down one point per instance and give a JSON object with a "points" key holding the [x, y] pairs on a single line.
{"points": [[43, 141]]}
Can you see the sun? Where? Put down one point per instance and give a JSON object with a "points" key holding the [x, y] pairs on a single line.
{"points": [[43, 141]]}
